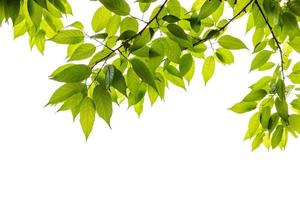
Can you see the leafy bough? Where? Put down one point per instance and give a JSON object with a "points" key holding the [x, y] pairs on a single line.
{"points": [[126, 62]]}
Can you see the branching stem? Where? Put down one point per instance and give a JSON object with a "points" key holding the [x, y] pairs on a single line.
{"points": [[225, 25], [134, 36], [274, 37]]}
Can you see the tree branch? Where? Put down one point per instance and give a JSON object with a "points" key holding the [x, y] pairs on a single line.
{"points": [[274, 37], [134, 36], [224, 26]]}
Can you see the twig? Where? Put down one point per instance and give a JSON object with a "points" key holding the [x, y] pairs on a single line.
{"points": [[274, 37], [139, 19], [105, 59], [225, 25]]}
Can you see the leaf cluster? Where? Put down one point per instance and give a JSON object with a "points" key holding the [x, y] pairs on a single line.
{"points": [[129, 58]]}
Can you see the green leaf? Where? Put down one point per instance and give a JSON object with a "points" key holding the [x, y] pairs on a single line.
{"points": [[230, 42], [295, 43], [208, 8], [195, 22], [139, 107], [146, 1], [65, 91], [272, 10], [265, 117], [71, 73], [260, 46], [260, 59], [185, 64], [208, 68], [103, 102], [257, 141], [136, 96], [243, 107], [71, 102], [177, 31], [113, 25], [68, 37], [40, 41], [273, 122], [109, 75], [255, 95], [102, 36], [253, 125], [77, 24], [133, 81], [277, 136], [42, 3], [142, 70], [20, 29], [173, 50], [83, 51], [153, 95], [129, 24], [294, 122], [144, 6], [100, 19], [118, 81], [87, 116], [261, 83], [258, 36], [294, 6], [280, 89], [296, 104], [178, 81], [282, 109], [171, 18], [142, 39], [174, 8], [225, 56], [119, 7], [35, 13], [290, 24], [295, 75], [100, 56]]}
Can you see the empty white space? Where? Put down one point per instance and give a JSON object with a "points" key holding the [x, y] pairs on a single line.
{"points": [[189, 147]]}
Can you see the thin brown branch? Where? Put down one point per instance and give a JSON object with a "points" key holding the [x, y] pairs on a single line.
{"points": [[274, 37], [225, 25], [134, 36]]}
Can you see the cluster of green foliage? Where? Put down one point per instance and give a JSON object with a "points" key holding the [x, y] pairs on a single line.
{"points": [[41, 19], [128, 58]]}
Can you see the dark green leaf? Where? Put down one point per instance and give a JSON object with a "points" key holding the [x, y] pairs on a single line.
{"points": [[208, 8], [186, 62], [177, 31], [141, 69], [277, 136]]}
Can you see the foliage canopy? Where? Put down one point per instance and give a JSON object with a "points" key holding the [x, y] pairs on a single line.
{"points": [[128, 58]]}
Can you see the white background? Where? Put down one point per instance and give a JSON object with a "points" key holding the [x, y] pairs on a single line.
{"points": [[188, 147]]}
